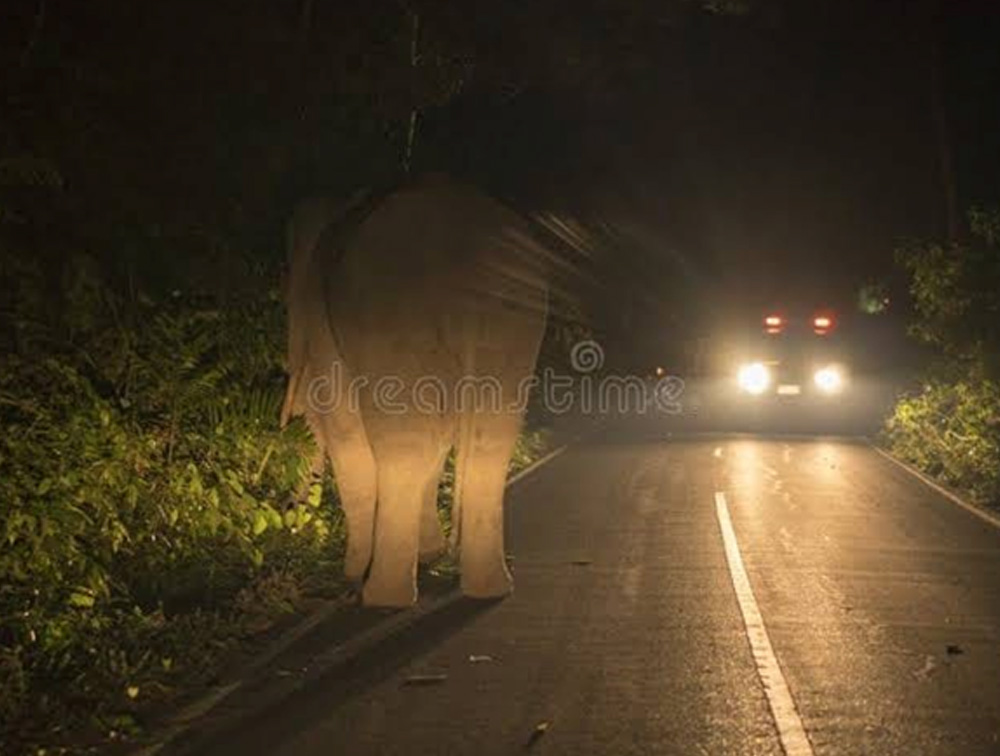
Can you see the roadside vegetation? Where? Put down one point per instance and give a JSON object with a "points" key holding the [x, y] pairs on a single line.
{"points": [[152, 514], [149, 516], [950, 426]]}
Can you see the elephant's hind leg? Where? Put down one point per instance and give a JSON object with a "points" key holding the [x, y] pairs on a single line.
{"points": [[408, 465], [340, 436], [483, 477], [355, 475]]}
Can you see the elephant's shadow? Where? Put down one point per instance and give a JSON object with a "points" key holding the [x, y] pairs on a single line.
{"points": [[258, 724]]}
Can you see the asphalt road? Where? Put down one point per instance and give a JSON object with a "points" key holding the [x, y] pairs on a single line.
{"points": [[877, 624]]}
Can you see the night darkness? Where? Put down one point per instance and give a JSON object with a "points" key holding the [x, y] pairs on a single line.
{"points": [[707, 161], [788, 142]]}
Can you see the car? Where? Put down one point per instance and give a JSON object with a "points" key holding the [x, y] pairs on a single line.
{"points": [[794, 359]]}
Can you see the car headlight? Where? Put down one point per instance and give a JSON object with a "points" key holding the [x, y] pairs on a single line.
{"points": [[829, 380], [754, 378]]}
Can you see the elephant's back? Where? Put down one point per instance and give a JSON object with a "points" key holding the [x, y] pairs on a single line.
{"points": [[434, 249]]}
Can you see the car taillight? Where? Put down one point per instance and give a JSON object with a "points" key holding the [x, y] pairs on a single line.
{"points": [[822, 325], [774, 324]]}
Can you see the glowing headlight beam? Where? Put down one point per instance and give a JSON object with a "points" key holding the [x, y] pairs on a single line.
{"points": [[829, 380], [754, 378]]}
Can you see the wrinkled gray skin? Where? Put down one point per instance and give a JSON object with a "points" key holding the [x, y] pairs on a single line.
{"points": [[437, 281]]}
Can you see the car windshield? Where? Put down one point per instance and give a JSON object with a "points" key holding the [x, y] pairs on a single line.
{"points": [[800, 343]]}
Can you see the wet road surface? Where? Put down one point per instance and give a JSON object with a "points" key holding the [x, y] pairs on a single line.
{"points": [[867, 620]]}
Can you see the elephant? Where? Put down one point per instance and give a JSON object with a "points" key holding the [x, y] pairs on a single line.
{"points": [[427, 289]]}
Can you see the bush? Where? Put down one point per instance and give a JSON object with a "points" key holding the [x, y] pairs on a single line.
{"points": [[952, 430], [951, 427], [956, 293], [148, 496]]}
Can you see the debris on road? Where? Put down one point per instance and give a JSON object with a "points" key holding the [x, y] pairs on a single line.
{"points": [[425, 679], [924, 672], [480, 658], [540, 729], [581, 562], [954, 649]]}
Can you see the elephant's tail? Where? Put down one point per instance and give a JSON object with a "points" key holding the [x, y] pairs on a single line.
{"points": [[303, 234]]}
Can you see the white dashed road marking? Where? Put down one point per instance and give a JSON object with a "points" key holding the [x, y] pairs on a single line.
{"points": [[793, 736]]}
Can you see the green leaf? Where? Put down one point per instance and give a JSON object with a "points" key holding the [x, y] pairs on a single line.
{"points": [[81, 598], [234, 483], [274, 517], [315, 495], [259, 523]]}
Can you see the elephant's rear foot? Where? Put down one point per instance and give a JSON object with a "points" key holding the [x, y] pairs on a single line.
{"points": [[389, 592], [491, 588], [483, 581]]}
